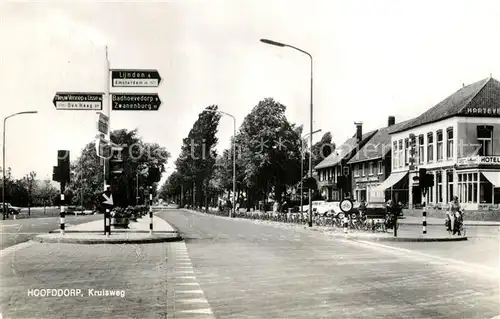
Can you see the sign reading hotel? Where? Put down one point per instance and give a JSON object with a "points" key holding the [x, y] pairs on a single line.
{"points": [[479, 160], [135, 78], [135, 101], [78, 101]]}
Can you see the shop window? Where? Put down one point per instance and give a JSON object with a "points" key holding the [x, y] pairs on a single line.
{"points": [[439, 145], [449, 143], [468, 187], [430, 145], [485, 139], [439, 184], [449, 178], [485, 191]]}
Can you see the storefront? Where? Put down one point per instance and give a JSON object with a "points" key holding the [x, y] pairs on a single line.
{"points": [[363, 187]]}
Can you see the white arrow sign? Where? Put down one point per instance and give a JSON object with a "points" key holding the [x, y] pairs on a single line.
{"points": [[109, 200]]}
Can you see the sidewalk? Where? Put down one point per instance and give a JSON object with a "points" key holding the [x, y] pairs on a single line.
{"points": [[411, 220], [406, 232], [93, 233]]}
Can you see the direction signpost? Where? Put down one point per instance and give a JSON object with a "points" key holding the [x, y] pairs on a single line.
{"points": [[135, 101], [78, 101], [135, 78], [102, 123]]}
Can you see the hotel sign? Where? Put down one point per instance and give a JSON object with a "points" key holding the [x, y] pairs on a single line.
{"points": [[479, 160]]}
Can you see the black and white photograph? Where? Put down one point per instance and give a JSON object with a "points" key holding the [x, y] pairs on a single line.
{"points": [[237, 159]]}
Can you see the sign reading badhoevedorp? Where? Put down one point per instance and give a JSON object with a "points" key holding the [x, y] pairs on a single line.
{"points": [[135, 101], [78, 101], [135, 78]]}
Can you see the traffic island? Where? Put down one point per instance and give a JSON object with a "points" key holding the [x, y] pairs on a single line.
{"points": [[93, 233]]}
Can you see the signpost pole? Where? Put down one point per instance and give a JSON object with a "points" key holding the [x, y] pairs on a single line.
{"points": [[107, 110], [151, 210], [62, 213]]}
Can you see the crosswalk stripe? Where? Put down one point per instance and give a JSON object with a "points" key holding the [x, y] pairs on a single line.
{"points": [[188, 284], [190, 291], [187, 277], [207, 311], [193, 300]]}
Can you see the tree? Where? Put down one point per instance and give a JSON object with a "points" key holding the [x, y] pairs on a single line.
{"points": [[46, 192], [322, 149], [87, 178], [28, 181], [270, 150]]}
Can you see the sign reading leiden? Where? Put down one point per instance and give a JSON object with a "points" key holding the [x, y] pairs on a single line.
{"points": [[135, 78]]}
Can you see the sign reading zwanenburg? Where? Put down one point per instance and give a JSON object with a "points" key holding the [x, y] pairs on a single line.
{"points": [[136, 101], [78, 101]]}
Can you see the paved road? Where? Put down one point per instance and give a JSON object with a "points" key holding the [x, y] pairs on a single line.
{"points": [[249, 270], [21, 230]]}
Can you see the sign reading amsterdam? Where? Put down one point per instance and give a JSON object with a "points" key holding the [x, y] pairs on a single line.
{"points": [[135, 78], [78, 101], [136, 101]]}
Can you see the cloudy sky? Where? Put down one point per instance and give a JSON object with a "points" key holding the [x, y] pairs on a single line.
{"points": [[372, 59]]}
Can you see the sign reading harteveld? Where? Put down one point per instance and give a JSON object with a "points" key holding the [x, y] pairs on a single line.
{"points": [[135, 101], [135, 78], [78, 101]]}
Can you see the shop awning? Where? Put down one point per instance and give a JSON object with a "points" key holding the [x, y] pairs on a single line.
{"points": [[390, 181], [493, 177]]}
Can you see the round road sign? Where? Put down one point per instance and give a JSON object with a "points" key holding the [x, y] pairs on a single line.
{"points": [[346, 205]]}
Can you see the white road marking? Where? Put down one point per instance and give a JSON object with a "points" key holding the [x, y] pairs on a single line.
{"points": [[207, 311], [184, 268], [11, 225], [9, 250]]}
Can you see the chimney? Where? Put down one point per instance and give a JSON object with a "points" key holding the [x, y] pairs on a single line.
{"points": [[391, 121], [359, 131]]}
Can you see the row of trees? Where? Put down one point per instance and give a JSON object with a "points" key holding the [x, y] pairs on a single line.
{"points": [[268, 159], [28, 191], [87, 173]]}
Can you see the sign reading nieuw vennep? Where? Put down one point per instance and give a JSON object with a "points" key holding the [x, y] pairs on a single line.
{"points": [[136, 101], [78, 101], [135, 78]]}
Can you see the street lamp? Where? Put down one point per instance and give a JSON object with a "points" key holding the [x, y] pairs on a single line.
{"points": [[234, 156], [3, 165], [271, 42], [302, 169]]}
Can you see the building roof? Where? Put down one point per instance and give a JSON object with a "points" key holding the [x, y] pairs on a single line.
{"points": [[379, 145], [465, 102], [344, 151]]}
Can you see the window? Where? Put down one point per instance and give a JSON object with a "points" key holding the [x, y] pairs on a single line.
{"points": [[485, 137], [430, 144], [439, 185], [356, 170], [395, 158], [370, 168], [421, 149], [467, 187], [485, 191], [364, 169], [407, 151], [401, 159], [449, 144], [440, 145], [380, 167], [449, 178]]}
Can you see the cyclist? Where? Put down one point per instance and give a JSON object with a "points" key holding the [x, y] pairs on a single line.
{"points": [[454, 216]]}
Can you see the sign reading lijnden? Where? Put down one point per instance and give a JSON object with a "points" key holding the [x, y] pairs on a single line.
{"points": [[78, 101], [135, 78], [135, 101]]}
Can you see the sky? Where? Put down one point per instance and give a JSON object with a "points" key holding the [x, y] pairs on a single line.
{"points": [[372, 59]]}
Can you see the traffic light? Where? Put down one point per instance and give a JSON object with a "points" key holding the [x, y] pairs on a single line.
{"points": [[61, 172], [115, 167], [429, 180], [422, 172], [310, 182], [154, 175]]}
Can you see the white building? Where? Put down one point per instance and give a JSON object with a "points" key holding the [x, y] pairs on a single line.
{"points": [[458, 141]]}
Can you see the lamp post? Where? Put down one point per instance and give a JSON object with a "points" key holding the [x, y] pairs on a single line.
{"points": [[279, 44], [3, 155], [302, 169], [234, 156]]}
